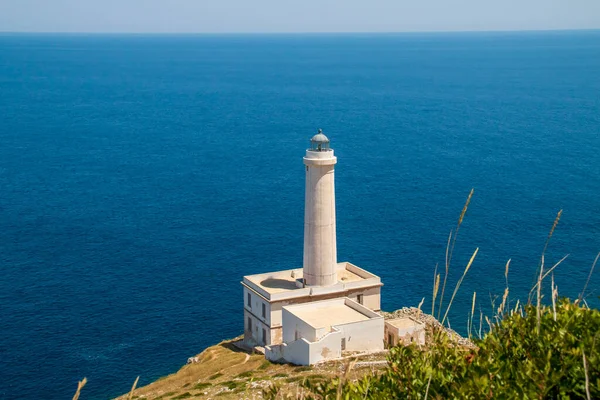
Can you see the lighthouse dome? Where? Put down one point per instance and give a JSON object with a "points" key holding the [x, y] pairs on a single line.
{"points": [[319, 142]]}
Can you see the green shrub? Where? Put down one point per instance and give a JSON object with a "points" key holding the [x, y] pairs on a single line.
{"points": [[183, 396], [215, 376], [513, 361], [246, 374], [202, 385], [265, 364], [233, 384]]}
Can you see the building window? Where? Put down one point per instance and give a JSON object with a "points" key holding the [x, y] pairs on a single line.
{"points": [[264, 336], [250, 324], [359, 299], [264, 310], [249, 301], [343, 344]]}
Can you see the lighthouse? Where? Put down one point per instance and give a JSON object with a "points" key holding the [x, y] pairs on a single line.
{"points": [[320, 250], [322, 295]]}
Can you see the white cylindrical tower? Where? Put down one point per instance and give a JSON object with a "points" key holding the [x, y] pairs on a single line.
{"points": [[320, 250]]}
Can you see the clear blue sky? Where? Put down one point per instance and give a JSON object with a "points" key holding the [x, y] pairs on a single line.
{"points": [[171, 16]]}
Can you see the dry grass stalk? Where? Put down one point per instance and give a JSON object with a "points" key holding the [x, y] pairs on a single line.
{"points": [[503, 304], [536, 286], [472, 314], [587, 377], [133, 387], [445, 274], [436, 286], [554, 296], [544, 250], [539, 297], [347, 368], [464, 210], [80, 386], [506, 268], [588, 278], [450, 248], [428, 384], [488, 322], [554, 266], [459, 283]]}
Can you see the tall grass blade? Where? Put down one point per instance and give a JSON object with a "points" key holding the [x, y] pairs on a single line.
{"points": [[348, 367], [80, 386], [434, 292], [554, 296], [588, 278], [546, 247], [436, 287], [548, 273], [538, 310], [133, 388], [472, 314], [587, 377], [445, 275], [450, 248], [503, 304], [459, 283], [428, 384]]}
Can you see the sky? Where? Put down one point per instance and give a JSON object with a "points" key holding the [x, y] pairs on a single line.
{"points": [[265, 16]]}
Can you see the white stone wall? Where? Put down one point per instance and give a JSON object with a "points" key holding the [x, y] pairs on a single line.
{"points": [[330, 346], [256, 306], [254, 313], [363, 335], [303, 352], [411, 334], [371, 297], [295, 328]]}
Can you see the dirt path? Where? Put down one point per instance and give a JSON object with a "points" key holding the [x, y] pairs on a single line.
{"points": [[235, 365]]}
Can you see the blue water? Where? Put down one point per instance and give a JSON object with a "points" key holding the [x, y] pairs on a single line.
{"points": [[142, 176]]}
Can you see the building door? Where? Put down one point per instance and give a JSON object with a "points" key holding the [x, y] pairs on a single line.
{"points": [[343, 344], [264, 338]]}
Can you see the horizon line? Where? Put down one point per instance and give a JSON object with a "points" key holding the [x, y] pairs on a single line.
{"points": [[250, 33]]}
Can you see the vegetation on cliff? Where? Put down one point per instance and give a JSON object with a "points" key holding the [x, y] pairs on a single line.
{"points": [[557, 357]]}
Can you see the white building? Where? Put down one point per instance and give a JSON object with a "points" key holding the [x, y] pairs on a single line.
{"points": [[284, 307], [404, 331], [322, 330]]}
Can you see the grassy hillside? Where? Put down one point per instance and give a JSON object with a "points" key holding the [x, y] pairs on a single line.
{"points": [[225, 372]]}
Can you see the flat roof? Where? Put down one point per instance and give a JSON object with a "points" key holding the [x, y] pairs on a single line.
{"points": [[286, 280], [327, 313], [404, 322]]}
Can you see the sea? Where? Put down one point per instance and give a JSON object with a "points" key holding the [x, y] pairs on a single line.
{"points": [[142, 176]]}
